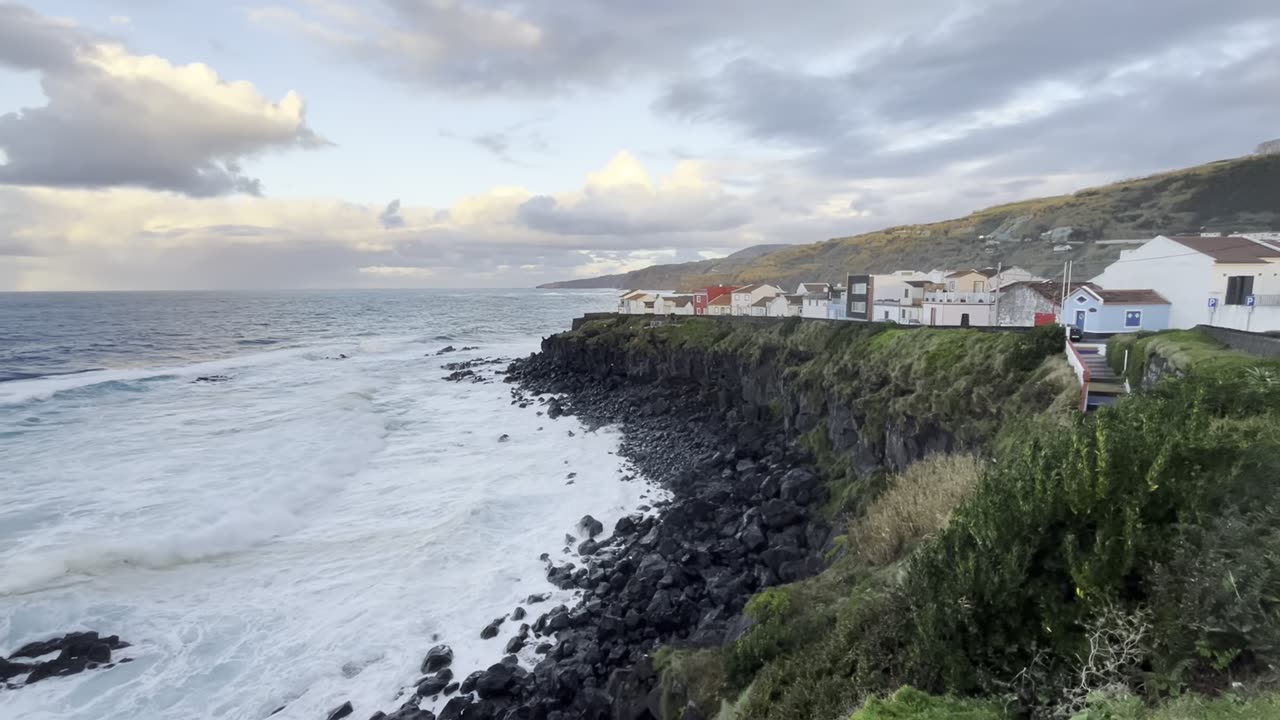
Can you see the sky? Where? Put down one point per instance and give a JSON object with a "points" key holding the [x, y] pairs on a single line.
{"points": [[176, 144]]}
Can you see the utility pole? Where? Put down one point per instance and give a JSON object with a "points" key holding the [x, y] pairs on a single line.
{"points": [[995, 309]]}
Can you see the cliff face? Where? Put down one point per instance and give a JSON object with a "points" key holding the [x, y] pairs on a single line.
{"points": [[1073, 520], [862, 398]]}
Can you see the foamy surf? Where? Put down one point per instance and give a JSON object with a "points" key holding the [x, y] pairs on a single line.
{"points": [[296, 536]]}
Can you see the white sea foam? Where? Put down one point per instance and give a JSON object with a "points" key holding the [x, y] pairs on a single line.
{"points": [[299, 535]]}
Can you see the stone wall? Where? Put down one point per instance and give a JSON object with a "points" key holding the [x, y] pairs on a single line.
{"points": [[1260, 344]]}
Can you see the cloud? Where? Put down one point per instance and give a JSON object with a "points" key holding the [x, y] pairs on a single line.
{"points": [[120, 20], [1015, 87], [390, 217], [133, 238], [117, 119], [477, 46]]}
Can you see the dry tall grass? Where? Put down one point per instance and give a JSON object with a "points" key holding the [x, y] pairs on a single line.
{"points": [[917, 503]]}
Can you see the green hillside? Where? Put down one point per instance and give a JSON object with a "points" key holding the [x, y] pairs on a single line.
{"points": [[1229, 195], [671, 277]]}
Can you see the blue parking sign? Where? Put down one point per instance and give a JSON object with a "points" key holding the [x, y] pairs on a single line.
{"points": [[1213, 302], [1250, 300]]}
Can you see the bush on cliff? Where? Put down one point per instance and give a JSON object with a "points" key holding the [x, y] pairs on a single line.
{"points": [[911, 704], [1096, 517]]}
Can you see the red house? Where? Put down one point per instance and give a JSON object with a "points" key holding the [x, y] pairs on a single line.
{"points": [[703, 297]]}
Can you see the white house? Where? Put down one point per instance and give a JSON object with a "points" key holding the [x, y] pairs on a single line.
{"points": [[637, 302], [814, 305], [721, 305], [966, 309], [1115, 311], [674, 305], [806, 288], [760, 308], [786, 306], [744, 298], [1231, 282]]}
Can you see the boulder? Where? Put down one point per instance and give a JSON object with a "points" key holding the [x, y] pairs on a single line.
{"points": [[469, 683], [497, 681], [434, 684], [590, 526], [778, 514], [437, 658], [341, 711], [491, 630]]}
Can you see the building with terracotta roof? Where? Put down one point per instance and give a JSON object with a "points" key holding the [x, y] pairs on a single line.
{"points": [[1109, 312], [720, 305], [1226, 281], [1038, 302]]}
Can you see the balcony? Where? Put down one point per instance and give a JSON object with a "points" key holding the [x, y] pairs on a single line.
{"points": [[961, 298]]}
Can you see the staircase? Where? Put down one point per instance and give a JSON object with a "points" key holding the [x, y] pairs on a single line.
{"points": [[1102, 386]]}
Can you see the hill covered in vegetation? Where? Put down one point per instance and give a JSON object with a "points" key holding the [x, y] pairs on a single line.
{"points": [[999, 555], [1236, 195], [664, 277]]}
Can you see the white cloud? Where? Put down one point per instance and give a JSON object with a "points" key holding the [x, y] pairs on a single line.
{"points": [[114, 118]]}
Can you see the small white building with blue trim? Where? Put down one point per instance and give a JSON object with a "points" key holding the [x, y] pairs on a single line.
{"points": [[1108, 312]]}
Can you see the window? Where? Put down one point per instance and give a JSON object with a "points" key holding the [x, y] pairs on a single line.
{"points": [[951, 284], [1081, 299], [906, 292], [979, 285], [1239, 287], [886, 314], [858, 306], [1133, 318], [859, 289]]}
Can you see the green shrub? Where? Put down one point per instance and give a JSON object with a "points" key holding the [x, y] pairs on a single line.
{"points": [[1078, 521], [911, 704]]}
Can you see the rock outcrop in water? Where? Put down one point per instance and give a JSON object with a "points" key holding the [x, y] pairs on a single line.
{"points": [[76, 652]]}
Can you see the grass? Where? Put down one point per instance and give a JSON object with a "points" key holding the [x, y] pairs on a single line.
{"points": [[918, 503], [911, 704]]}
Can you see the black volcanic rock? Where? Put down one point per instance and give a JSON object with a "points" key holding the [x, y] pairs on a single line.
{"points": [[437, 658]]}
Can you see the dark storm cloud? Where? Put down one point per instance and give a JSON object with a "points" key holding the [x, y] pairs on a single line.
{"points": [[149, 126], [1147, 88]]}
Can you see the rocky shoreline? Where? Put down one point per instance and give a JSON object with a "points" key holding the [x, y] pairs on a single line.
{"points": [[742, 516]]}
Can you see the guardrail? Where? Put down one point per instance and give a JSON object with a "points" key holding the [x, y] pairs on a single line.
{"points": [[1082, 373]]}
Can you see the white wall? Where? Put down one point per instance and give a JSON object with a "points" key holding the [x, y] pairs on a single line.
{"points": [[1170, 268], [952, 313], [814, 307]]}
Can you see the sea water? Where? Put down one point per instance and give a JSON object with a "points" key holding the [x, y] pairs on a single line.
{"points": [[299, 533]]}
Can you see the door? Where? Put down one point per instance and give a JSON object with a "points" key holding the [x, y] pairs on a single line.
{"points": [[933, 316], [964, 320], [1080, 316]]}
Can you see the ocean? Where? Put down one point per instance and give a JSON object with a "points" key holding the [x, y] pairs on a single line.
{"points": [[300, 531]]}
